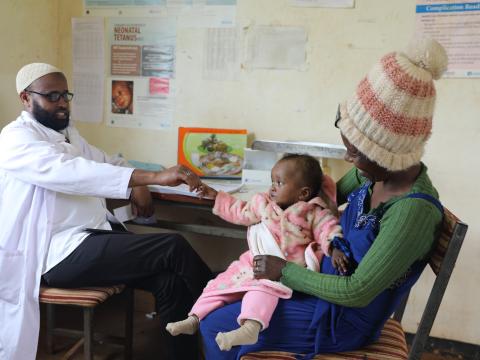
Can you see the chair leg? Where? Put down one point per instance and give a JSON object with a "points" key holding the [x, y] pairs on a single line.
{"points": [[50, 327], [129, 324], [88, 333]]}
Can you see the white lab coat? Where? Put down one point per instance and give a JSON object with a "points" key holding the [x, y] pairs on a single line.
{"points": [[33, 168]]}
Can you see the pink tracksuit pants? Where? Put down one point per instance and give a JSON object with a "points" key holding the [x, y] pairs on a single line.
{"points": [[256, 305]]}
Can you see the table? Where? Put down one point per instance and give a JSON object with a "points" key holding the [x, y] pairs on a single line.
{"points": [[189, 214]]}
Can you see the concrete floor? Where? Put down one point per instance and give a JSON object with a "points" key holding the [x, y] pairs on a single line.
{"points": [[147, 341]]}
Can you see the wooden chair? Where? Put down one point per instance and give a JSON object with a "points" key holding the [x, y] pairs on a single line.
{"points": [[87, 299], [392, 344]]}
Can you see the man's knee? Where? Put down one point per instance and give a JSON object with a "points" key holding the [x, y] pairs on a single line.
{"points": [[178, 239], [178, 245]]}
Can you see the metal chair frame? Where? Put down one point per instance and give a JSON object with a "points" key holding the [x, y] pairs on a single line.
{"points": [[436, 294]]}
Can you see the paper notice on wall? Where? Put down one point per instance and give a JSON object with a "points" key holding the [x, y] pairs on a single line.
{"points": [[276, 47], [455, 25], [88, 69], [189, 13], [323, 3], [142, 68], [150, 3], [210, 15], [221, 60], [118, 3]]}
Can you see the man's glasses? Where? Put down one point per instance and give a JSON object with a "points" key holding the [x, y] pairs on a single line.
{"points": [[54, 96]]}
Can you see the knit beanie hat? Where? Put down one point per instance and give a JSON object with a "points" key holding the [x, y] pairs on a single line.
{"points": [[31, 72], [389, 118]]}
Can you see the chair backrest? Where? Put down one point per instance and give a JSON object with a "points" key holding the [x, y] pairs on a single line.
{"points": [[442, 262]]}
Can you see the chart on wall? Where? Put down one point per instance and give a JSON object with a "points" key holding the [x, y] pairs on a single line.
{"points": [[142, 72], [88, 55], [456, 25]]}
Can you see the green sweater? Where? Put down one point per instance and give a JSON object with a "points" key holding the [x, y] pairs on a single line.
{"points": [[407, 233]]}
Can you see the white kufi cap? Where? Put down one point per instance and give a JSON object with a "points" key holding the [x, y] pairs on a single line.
{"points": [[31, 72]]}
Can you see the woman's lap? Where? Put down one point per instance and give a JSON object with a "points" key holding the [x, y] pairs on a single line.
{"points": [[290, 329], [288, 326]]}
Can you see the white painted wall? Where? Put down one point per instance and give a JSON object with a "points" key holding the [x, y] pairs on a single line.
{"points": [[295, 105], [29, 31]]}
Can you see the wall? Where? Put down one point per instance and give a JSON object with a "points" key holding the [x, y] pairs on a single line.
{"points": [[297, 105], [29, 31]]}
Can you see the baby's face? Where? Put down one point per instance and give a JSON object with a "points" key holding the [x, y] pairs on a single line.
{"points": [[121, 94], [284, 190]]}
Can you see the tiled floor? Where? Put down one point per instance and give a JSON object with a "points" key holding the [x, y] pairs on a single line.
{"points": [[147, 341]]}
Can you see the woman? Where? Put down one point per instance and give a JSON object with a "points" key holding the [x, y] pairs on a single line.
{"points": [[389, 224]]}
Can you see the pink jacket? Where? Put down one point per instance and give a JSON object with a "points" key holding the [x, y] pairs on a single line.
{"points": [[294, 229]]}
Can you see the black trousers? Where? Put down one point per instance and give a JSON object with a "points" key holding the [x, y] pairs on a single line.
{"points": [[163, 264]]}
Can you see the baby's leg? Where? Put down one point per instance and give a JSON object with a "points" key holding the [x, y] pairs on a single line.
{"points": [[189, 326], [245, 335], [257, 310], [202, 307], [259, 306]]}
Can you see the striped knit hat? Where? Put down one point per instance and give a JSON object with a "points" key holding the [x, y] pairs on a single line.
{"points": [[389, 118]]}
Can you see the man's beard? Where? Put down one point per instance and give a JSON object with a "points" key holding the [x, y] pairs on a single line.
{"points": [[49, 119]]}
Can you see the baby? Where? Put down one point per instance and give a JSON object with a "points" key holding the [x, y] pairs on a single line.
{"points": [[295, 220], [122, 97]]}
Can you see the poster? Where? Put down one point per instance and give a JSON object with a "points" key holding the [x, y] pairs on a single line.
{"points": [[456, 25], [212, 152], [142, 72], [188, 13]]}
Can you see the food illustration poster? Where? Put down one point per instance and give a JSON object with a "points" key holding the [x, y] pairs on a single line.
{"points": [[212, 152]]}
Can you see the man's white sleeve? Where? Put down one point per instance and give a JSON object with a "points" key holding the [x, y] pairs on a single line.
{"points": [[34, 160]]}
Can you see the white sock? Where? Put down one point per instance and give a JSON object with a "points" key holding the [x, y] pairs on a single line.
{"points": [[189, 326], [246, 334]]}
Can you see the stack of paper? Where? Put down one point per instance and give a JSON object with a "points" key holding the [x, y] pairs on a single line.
{"points": [[184, 189]]}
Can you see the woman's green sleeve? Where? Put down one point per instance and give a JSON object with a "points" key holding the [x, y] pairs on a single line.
{"points": [[406, 234]]}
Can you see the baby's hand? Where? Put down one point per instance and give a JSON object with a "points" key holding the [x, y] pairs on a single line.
{"points": [[205, 191], [339, 261]]}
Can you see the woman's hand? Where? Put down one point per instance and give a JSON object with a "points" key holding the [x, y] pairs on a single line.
{"points": [[141, 201], [268, 267]]}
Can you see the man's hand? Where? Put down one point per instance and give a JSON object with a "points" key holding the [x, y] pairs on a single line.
{"points": [[339, 261], [180, 174], [268, 267], [173, 176], [141, 201]]}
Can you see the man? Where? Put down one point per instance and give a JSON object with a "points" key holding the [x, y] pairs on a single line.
{"points": [[52, 213]]}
